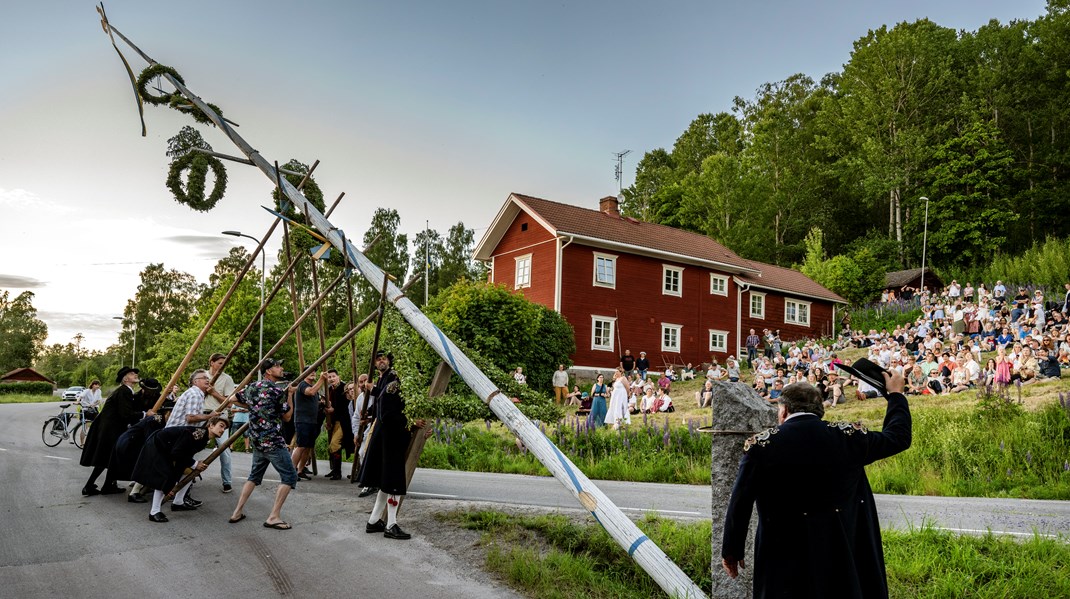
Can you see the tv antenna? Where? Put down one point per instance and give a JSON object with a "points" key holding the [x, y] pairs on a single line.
{"points": [[619, 172]]}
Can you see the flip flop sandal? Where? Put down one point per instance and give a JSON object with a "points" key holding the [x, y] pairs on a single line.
{"points": [[236, 520], [278, 526]]}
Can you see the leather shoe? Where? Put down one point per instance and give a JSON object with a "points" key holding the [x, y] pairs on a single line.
{"points": [[111, 489], [183, 507], [137, 498], [379, 526], [192, 502], [335, 476], [395, 532], [303, 476], [368, 491], [157, 517], [90, 490]]}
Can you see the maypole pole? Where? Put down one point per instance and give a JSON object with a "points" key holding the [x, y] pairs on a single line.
{"points": [[644, 551]]}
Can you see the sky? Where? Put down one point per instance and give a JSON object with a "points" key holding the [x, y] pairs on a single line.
{"points": [[439, 110]]}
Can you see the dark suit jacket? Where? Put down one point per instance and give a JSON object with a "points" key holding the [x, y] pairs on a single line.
{"points": [[119, 412], [166, 455], [818, 534]]}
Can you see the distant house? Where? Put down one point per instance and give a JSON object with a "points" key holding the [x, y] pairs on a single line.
{"points": [[627, 284], [898, 279], [26, 375]]}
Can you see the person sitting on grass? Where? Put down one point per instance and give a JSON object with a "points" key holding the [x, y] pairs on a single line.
{"points": [[688, 373], [778, 388], [759, 386], [665, 383], [585, 403], [960, 379], [663, 403], [573, 399], [732, 369], [1025, 367], [705, 395], [917, 380], [1047, 367]]}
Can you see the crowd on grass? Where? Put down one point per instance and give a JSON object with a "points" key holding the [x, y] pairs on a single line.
{"points": [[940, 353]]}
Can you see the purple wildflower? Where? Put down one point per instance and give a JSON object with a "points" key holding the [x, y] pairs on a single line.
{"points": [[1029, 458], [488, 424], [1008, 472], [666, 439], [1066, 465], [1001, 445]]}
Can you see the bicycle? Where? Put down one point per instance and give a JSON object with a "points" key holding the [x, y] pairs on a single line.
{"points": [[67, 425]]}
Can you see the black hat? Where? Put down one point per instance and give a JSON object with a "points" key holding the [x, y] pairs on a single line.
{"points": [[125, 370], [269, 363], [385, 354], [150, 384], [869, 372]]}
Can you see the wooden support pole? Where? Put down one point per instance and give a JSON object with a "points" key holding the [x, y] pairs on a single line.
{"points": [[241, 160], [619, 526], [211, 320]]}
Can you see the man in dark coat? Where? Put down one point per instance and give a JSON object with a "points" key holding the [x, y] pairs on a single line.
{"points": [[119, 412], [815, 506], [167, 456], [384, 464], [127, 450]]}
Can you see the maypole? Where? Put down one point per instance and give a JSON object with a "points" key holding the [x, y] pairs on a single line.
{"points": [[645, 552]]}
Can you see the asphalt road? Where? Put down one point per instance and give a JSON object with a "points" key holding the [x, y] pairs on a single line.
{"points": [[55, 542]]}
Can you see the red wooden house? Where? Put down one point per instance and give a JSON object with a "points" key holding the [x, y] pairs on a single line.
{"points": [[627, 284]]}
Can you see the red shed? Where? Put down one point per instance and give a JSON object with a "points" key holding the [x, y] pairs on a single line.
{"points": [[26, 375], [627, 284]]}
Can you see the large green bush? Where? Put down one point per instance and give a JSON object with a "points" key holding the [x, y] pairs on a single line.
{"points": [[35, 388]]}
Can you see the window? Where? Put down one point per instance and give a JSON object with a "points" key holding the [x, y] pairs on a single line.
{"points": [[718, 341], [670, 337], [602, 332], [757, 305], [605, 270], [672, 280], [523, 272], [796, 312], [718, 284]]}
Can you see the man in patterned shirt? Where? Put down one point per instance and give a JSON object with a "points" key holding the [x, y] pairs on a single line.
{"points": [[269, 404]]}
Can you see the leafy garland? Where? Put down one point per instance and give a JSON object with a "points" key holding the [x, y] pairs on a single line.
{"points": [[193, 195], [197, 163]]}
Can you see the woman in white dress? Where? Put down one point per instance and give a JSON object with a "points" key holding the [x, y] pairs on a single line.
{"points": [[618, 401]]}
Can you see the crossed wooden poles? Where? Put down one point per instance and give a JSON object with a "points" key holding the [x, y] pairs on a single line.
{"points": [[645, 552]]}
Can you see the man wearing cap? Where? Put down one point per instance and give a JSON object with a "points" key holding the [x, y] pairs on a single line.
{"points": [[268, 405], [642, 365], [384, 464], [119, 412], [815, 505]]}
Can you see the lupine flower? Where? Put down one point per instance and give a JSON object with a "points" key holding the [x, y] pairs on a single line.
{"points": [[488, 424], [666, 439], [1029, 458], [1066, 465], [1008, 472], [1001, 445]]}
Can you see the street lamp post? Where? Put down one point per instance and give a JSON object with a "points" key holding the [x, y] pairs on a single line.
{"points": [[924, 242], [133, 351], [263, 275]]}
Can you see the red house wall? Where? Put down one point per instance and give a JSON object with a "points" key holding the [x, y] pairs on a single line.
{"points": [[542, 246], [640, 308], [820, 318]]}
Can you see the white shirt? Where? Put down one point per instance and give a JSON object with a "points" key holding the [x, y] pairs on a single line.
{"points": [[89, 398]]}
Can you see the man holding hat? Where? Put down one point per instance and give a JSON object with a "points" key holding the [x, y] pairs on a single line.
{"points": [[119, 411], [815, 505], [268, 403], [642, 365]]}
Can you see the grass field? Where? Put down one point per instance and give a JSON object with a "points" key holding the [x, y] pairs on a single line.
{"points": [[554, 556], [23, 398]]}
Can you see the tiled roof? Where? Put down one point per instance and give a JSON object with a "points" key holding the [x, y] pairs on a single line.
{"points": [[566, 218], [791, 281]]}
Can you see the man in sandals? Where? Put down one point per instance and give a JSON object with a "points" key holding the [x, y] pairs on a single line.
{"points": [[269, 404]]}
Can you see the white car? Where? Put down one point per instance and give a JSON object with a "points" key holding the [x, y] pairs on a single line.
{"points": [[72, 393]]}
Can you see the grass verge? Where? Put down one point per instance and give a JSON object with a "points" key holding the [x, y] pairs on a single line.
{"points": [[553, 556], [25, 398]]}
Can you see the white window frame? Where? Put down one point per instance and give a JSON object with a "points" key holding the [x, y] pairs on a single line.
{"points": [[517, 283], [668, 326], [612, 321], [750, 304], [594, 276], [724, 283], [679, 270], [797, 320], [723, 347]]}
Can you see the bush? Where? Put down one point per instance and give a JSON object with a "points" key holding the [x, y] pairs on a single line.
{"points": [[34, 388]]}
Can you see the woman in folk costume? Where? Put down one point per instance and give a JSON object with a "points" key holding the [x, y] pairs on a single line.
{"points": [[119, 412], [618, 402], [167, 456]]}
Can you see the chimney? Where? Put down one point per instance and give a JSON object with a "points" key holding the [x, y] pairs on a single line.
{"points": [[609, 205]]}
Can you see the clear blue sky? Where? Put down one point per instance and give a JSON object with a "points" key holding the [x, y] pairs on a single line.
{"points": [[438, 109]]}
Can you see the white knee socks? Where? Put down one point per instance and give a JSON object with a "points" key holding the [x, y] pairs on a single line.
{"points": [[391, 510], [377, 510], [180, 497], [157, 502]]}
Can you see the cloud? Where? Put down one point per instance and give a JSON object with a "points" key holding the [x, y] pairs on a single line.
{"points": [[17, 282], [21, 200], [213, 246], [83, 322]]}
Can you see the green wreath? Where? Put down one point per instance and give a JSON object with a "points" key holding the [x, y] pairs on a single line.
{"points": [[181, 104], [193, 194], [150, 73]]}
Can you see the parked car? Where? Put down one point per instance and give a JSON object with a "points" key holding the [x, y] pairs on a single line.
{"points": [[71, 394]]}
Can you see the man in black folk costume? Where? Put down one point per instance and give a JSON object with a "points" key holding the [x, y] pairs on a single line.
{"points": [[384, 464], [818, 533], [168, 456], [120, 411]]}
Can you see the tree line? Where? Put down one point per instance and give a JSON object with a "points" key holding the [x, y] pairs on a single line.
{"points": [[975, 121]]}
